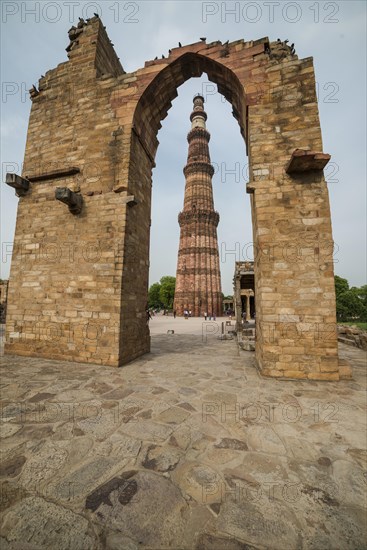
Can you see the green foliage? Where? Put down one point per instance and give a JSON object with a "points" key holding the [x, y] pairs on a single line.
{"points": [[161, 295], [362, 326], [361, 293], [167, 291], [341, 285], [153, 296], [351, 303], [349, 306]]}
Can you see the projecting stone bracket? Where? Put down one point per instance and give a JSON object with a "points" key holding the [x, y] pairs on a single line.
{"points": [[21, 185], [130, 200], [73, 200], [304, 161], [251, 186]]}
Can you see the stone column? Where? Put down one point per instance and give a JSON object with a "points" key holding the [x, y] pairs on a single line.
{"points": [[248, 292], [248, 316], [238, 301]]}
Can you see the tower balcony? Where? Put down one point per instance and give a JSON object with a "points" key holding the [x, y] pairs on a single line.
{"points": [[198, 132], [198, 113], [198, 167]]}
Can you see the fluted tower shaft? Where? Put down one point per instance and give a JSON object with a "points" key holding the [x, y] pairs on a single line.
{"points": [[198, 283]]}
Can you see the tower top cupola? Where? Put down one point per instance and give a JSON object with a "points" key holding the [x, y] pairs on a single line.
{"points": [[198, 116]]}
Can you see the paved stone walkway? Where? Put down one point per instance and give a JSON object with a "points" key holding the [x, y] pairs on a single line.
{"points": [[186, 448]]}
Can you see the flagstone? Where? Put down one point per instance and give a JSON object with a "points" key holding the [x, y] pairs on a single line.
{"points": [[231, 473]]}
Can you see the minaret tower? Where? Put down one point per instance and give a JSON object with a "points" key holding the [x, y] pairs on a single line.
{"points": [[198, 286]]}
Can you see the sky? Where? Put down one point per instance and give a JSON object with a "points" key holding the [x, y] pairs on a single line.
{"points": [[34, 38]]}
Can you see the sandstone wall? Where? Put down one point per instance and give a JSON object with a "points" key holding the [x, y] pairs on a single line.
{"points": [[90, 115]]}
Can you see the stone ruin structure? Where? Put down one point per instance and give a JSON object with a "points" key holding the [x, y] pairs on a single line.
{"points": [[244, 299], [198, 284], [79, 275], [352, 336], [244, 290]]}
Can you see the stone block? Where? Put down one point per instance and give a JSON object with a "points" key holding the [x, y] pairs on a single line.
{"points": [[303, 161], [294, 374], [323, 376]]}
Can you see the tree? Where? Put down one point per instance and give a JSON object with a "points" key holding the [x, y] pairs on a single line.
{"points": [[153, 296], [349, 306], [361, 293], [351, 303], [167, 291], [360, 297], [341, 285], [162, 294]]}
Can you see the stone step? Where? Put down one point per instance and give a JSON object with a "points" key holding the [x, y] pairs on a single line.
{"points": [[347, 341]]}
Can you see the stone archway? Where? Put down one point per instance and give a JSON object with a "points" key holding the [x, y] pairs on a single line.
{"points": [[91, 111]]}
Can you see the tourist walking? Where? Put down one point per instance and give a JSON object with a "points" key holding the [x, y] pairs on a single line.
{"points": [[205, 315]]}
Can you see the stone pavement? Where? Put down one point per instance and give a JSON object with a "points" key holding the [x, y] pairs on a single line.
{"points": [[196, 326], [185, 448]]}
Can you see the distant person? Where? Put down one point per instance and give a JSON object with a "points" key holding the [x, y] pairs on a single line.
{"points": [[148, 315], [174, 314], [214, 316], [205, 315], [190, 313]]}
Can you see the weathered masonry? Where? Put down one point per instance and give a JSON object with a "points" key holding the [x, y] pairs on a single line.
{"points": [[79, 276], [244, 291], [198, 285]]}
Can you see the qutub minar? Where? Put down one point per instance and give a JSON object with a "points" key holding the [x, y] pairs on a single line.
{"points": [[198, 284]]}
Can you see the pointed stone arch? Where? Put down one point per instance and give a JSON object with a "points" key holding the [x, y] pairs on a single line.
{"points": [[156, 100], [91, 110]]}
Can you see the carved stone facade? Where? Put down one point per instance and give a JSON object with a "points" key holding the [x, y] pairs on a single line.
{"points": [[198, 285], [244, 291], [78, 282]]}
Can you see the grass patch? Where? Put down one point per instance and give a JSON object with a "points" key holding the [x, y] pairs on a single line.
{"points": [[363, 326]]}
